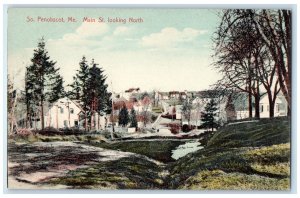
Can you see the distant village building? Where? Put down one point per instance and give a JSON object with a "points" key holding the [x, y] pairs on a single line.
{"points": [[64, 113], [174, 94], [129, 92]]}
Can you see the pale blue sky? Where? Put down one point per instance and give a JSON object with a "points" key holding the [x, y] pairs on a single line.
{"points": [[170, 50]]}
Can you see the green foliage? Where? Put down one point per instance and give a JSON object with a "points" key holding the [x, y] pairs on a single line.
{"points": [[208, 116], [42, 81], [133, 120], [89, 86], [123, 117]]}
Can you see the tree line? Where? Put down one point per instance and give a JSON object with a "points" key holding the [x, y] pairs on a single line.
{"points": [[253, 54], [44, 85]]}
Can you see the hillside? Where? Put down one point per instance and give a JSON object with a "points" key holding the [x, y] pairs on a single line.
{"points": [[264, 132], [243, 156]]}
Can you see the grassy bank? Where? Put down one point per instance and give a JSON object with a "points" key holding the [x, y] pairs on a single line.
{"points": [[252, 156]]}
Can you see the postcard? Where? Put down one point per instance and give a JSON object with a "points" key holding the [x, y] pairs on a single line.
{"points": [[149, 98]]}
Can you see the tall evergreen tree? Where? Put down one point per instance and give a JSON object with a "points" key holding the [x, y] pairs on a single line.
{"points": [[208, 116], [74, 94], [123, 117], [89, 86], [133, 120], [43, 82]]}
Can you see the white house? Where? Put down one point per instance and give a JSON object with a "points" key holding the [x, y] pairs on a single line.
{"points": [[280, 108], [63, 113]]}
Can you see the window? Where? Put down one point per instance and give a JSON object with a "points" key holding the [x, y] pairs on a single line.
{"points": [[61, 110], [76, 123], [262, 108], [71, 110], [267, 107], [277, 107]]}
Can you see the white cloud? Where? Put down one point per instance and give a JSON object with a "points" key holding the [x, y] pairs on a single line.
{"points": [[87, 34], [92, 29], [122, 30], [170, 37]]}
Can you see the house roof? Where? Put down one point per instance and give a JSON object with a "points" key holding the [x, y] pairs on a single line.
{"points": [[131, 90], [173, 92]]}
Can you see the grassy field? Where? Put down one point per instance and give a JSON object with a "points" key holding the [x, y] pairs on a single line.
{"points": [[158, 150], [125, 173], [244, 156]]}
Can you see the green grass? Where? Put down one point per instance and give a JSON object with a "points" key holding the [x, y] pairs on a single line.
{"points": [[125, 173], [157, 109], [159, 150], [220, 180], [248, 156], [262, 133], [44, 138]]}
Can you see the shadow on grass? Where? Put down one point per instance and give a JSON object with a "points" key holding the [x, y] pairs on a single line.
{"points": [[125, 173]]}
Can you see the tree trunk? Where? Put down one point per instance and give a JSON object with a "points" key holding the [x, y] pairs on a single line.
{"points": [[250, 105], [42, 114], [288, 111], [271, 109], [257, 112], [257, 100], [271, 103]]}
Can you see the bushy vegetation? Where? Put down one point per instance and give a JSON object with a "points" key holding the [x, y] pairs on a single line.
{"points": [[31, 138]]}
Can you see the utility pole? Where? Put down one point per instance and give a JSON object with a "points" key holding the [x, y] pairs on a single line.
{"points": [[68, 106], [112, 113]]}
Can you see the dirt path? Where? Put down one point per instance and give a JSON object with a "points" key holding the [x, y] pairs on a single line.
{"points": [[30, 166]]}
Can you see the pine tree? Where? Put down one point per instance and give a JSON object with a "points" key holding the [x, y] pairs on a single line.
{"points": [[123, 117], [43, 82], [74, 94], [89, 86], [133, 120], [208, 116]]}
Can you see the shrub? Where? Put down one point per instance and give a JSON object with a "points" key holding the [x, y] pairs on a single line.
{"points": [[24, 132]]}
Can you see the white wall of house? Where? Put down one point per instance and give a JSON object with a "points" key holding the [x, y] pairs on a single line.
{"points": [[63, 113], [279, 109], [138, 107]]}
